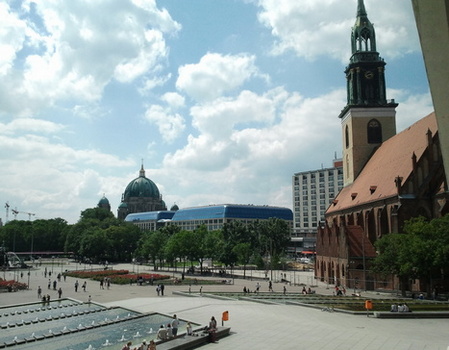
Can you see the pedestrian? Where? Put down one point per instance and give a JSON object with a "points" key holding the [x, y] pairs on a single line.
{"points": [[49, 283], [162, 289], [89, 299], [60, 292], [158, 289], [285, 290], [39, 292], [101, 284], [84, 286], [270, 286], [76, 286], [108, 283], [54, 284], [152, 345], [174, 325]]}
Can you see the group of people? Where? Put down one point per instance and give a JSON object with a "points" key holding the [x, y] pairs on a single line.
{"points": [[400, 308], [160, 289], [170, 330], [106, 281], [144, 346], [339, 291], [46, 298]]}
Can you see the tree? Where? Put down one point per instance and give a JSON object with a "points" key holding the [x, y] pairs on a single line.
{"points": [[244, 252], [421, 252], [153, 244]]}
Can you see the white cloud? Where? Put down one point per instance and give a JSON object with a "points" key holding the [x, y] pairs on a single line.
{"points": [[73, 53], [173, 99], [170, 124], [215, 75], [12, 32], [29, 125], [313, 28]]}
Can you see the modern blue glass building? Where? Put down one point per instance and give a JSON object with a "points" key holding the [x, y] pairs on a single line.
{"points": [[213, 216]]}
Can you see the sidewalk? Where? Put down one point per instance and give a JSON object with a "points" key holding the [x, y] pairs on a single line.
{"points": [[255, 325]]}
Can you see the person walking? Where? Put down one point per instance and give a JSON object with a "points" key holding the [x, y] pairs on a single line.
{"points": [[60, 292], [39, 292]]}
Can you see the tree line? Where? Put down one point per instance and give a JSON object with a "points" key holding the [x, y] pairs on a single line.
{"points": [[99, 237]]}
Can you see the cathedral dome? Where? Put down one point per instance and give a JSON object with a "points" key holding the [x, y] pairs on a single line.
{"points": [[103, 201], [141, 187]]}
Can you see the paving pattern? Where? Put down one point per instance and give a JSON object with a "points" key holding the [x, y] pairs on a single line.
{"points": [[256, 325]]}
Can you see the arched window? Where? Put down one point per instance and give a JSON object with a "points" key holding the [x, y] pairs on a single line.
{"points": [[347, 136], [374, 131]]}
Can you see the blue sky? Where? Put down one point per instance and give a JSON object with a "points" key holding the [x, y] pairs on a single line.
{"points": [[223, 100]]}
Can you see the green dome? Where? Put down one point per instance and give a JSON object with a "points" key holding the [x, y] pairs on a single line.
{"points": [[123, 205], [141, 187], [103, 201]]}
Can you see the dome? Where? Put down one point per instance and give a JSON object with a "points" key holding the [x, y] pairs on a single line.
{"points": [[123, 205], [103, 201], [174, 207], [141, 187]]}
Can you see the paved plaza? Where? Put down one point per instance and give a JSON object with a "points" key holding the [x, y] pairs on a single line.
{"points": [[255, 325]]}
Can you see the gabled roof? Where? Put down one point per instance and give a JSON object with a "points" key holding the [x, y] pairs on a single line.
{"points": [[393, 158]]}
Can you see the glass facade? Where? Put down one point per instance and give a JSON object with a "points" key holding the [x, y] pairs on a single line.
{"points": [[213, 216]]}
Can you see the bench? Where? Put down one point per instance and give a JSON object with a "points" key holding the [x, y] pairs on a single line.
{"points": [[191, 342]]}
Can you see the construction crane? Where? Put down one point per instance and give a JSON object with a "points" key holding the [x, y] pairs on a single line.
{"points": [[15, 212]]}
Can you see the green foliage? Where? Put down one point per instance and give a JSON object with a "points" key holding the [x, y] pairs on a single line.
{"points": [[421, 252]]}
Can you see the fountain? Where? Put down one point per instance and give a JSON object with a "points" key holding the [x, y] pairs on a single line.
{"points": [[106, 343], [137, 335], [122, 338], [150, 331]]}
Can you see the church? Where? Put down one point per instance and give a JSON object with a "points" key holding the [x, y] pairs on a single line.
{"points": [[141, 195], [389, 177]]}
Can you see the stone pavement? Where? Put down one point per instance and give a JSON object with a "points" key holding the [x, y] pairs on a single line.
{"points": [[256, 325]]}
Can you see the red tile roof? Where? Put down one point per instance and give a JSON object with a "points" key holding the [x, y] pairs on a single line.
{"points": [[358, 246], [392, 159]]}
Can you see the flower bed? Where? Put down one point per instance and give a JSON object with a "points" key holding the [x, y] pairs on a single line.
{"points": [[117, 276], [96, 274], [12, 286]]}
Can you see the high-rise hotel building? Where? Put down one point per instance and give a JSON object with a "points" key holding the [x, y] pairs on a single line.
{"points": [[313, 192]]}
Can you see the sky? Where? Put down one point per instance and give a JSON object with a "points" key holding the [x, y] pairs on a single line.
{"points": [[221, 100]]}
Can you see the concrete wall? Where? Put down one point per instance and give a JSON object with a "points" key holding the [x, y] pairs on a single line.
{"points": [[432, 20]]}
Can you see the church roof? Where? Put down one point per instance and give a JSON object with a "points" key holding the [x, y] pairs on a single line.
{"points": [[393, 158]]}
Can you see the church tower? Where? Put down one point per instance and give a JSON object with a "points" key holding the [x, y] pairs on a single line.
{"points": [[368, 118]]}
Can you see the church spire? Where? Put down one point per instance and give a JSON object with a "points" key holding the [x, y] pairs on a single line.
{"points": [[363, 34], [361, 9]]}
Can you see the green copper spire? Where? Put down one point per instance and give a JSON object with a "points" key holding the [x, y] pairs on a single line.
{"points": [[361, 9], [365, 73], [363, 34]]}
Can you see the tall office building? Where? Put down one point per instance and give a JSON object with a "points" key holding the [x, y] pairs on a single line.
{"points": [[313, 191]]}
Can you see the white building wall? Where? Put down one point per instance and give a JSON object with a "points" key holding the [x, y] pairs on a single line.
{"points": [[313, 192]]}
